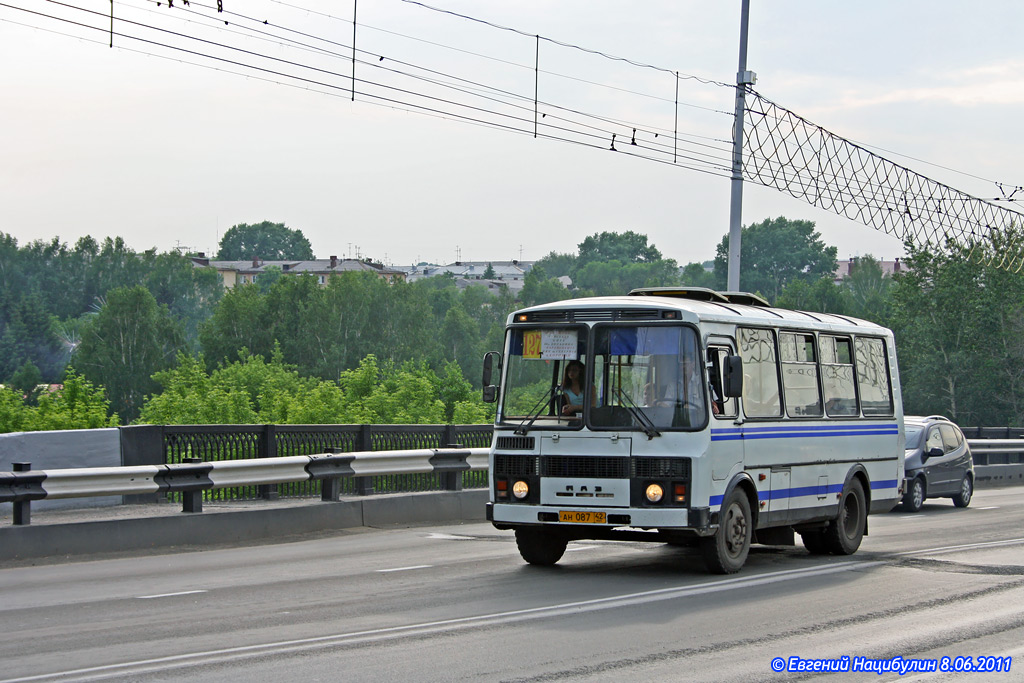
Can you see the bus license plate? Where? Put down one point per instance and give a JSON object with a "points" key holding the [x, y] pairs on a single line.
{"points": [[582, 517]]}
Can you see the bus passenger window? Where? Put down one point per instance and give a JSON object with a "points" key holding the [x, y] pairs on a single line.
{"points": [[760, 373], [873, 377], [800, 374], [837, 376]]}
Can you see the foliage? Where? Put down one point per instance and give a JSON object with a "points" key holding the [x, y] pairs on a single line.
{"points": [[557, 265], [266, 240], [252, 390], [624, 247], [774, 253], [958, 326], [130, 338], [78, 404], [696, 275], [538, 288]]}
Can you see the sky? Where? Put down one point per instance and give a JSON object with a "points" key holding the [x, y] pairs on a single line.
{"points": [[168, 149]]}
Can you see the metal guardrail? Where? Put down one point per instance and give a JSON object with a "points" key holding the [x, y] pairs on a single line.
{"points": [[24, 485], [1005, 451]]}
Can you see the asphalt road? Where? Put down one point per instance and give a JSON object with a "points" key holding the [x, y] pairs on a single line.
{"points": [[457, 603]]}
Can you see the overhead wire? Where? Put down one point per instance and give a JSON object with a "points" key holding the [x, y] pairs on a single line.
{"points": [[596, 139], [783, 151]]}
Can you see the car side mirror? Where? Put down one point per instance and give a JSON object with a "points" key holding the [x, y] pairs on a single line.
{"points": [[933, 453], [732, 377], [491, 359]]}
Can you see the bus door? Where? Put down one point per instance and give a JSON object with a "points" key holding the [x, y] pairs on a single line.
{"points": [[726, 436]]}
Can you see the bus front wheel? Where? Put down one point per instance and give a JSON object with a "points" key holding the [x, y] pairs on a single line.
{"points": [[541, 547], [844, 534], [726, 551]]}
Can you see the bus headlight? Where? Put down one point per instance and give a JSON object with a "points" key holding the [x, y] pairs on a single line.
{"points": [[520, 489], [654, 493]]}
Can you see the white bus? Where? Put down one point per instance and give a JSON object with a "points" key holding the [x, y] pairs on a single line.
{"points": [[703, 418]]}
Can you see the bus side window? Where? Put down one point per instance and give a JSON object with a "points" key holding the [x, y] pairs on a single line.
{"points": [[760, 373]]}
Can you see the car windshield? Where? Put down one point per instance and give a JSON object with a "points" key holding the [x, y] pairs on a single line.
{"points": [[914, 433]]}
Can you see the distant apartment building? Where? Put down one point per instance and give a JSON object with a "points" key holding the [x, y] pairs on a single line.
{"points": [[507, 275], [248, 271]]}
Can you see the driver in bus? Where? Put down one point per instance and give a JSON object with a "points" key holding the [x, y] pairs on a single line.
{"points": [[688, 390]]}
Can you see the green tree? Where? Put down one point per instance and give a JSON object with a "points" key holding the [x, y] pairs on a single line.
{"points": [[943, 335], [624, 247], [557, 265], [538, 288], [822, 296], [612, 263], [129, 339], [869, 290], [775, 252], [27, 380], [266, 240], [76, 405], [696, 275], [239, 321]]}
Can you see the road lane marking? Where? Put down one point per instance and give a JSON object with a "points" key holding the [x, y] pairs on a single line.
{"points": [[219, 656], [957, 548], [449, 537], [405, 569], [167, 595]]}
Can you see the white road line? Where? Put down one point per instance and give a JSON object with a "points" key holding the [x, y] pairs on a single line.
{"points": [[404, 569], [991, 507], [957, 548], [167, 595], [449, 537]]}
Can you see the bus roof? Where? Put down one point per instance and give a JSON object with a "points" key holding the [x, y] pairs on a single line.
{"points": [[653, 304]]}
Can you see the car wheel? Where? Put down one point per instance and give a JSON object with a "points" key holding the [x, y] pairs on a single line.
{"points": [[963, 499], [913, 499], [540, 547], [844, 534], [726, 551]]}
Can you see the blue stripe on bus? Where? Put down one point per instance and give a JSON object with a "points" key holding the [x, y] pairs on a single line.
{"points": [[779, 494], [802, 431]]}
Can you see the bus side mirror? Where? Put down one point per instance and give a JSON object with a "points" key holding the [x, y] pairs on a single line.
{"points": [[733, 377], [490, 390]]}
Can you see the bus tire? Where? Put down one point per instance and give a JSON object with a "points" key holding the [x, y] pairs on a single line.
{"points": [[844, 534], [541, 547], [726, 551]]}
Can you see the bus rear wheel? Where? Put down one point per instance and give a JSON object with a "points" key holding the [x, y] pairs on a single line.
{"points": [[844, 534], [541, 547], [726, 551]]}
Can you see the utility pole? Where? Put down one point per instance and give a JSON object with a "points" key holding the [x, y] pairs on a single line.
{"points": [[744, 78]]}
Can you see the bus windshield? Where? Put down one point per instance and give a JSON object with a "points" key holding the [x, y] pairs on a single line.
{"points": [[545, 377], [651, 375]]}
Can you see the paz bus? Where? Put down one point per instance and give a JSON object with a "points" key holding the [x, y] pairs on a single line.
{"points": [[700, 418]]}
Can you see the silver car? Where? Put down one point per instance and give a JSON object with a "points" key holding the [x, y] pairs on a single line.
{"points": [[938, 462]]}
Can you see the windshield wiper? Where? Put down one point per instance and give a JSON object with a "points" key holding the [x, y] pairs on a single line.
{"points": [[525, 425], [640, 416]]}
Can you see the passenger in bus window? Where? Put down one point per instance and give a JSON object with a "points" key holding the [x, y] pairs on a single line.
{"points": [[573, 380]]}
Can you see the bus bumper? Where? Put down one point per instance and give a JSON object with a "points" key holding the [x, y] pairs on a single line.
{"points": [[698, 519]]}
